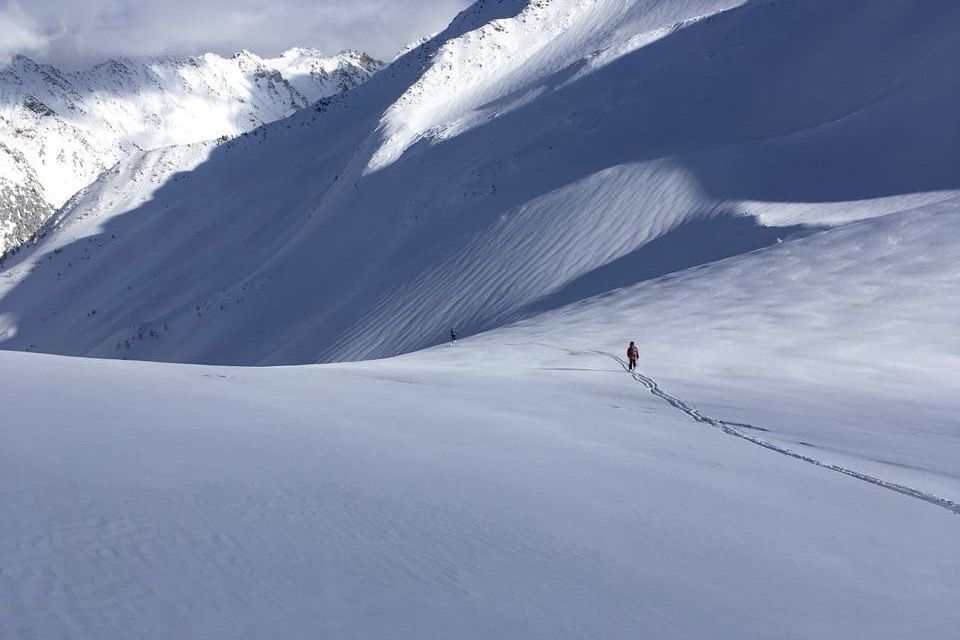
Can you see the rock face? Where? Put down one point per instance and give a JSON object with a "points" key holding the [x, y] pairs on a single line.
{"points": [[22, 206], [59, 131]]}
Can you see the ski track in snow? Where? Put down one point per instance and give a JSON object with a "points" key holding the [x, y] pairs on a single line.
{"points": [[730, 428]]}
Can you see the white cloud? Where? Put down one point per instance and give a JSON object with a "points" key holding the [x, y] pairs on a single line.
{"points": [[74, 33], [18, 33]]}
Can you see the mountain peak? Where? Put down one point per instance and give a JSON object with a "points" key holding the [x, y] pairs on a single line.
{"points": [[245, 53], [299, 52]]}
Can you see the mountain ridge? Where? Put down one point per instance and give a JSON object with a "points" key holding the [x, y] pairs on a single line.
{"points": [[518, 157], [68, 127]]}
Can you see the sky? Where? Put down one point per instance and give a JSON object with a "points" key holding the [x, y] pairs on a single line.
{"points": [[76, 33]]}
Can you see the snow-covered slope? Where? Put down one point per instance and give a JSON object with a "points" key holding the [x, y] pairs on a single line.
{"points": [[796, 470], [487, 490], [523, 159], [69, 127], [841, 345]]}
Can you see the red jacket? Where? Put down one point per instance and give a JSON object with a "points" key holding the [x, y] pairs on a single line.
{"points": [[632, 352]]}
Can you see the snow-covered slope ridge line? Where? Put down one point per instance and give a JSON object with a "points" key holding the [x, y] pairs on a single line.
{"points": [[530, 156], [70, 126]]}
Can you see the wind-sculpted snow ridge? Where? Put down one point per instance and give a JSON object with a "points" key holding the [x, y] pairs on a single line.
{"points": [[68, 127], [531, 155]]}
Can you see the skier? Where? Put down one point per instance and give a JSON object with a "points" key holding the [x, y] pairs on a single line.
{"points": [[632, 355], [453, 336]]}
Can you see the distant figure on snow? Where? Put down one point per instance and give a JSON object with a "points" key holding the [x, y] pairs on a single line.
{"points": [[453, 335], [632, 355]]}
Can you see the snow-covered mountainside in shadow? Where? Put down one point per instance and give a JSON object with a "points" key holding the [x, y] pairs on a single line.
{"points": [[527, 157], [68, 127]]}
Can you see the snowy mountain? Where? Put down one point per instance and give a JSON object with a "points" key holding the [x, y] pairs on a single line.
{"points": [[69, 127], [524, 158], [765, 195]]}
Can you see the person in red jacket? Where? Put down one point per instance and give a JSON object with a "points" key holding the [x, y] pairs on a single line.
{"points": [[632, 355]]}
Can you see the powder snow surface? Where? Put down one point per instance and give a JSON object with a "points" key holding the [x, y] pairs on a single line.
{"points": [[474, 491]]}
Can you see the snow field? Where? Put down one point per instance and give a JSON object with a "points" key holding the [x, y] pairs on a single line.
{"points": [[552, 498]]}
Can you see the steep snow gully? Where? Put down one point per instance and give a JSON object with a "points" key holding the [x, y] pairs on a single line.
{"points": [[733, 429]]}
